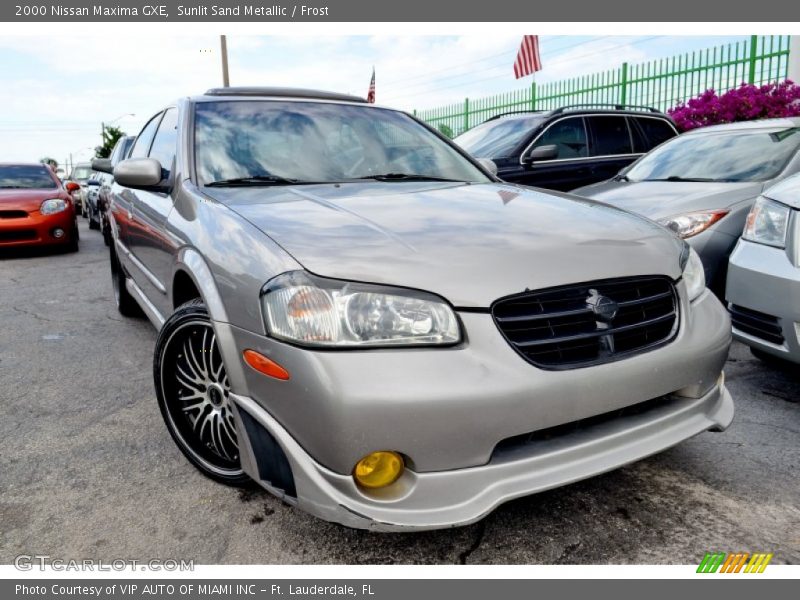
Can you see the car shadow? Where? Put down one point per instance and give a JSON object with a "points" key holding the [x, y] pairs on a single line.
{"points": [[31, 252]]}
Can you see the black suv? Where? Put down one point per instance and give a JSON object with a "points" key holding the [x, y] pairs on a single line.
{"points": [[569, 147]]}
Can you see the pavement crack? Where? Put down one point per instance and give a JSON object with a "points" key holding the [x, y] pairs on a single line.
{"points": [[775, 425], [476, 543], [31, 314]]}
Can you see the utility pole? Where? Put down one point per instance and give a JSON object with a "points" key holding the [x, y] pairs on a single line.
{"points": [[794, 58], [223, 43]]}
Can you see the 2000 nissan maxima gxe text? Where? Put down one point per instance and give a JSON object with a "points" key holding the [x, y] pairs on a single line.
{"points": [[356, 315]]}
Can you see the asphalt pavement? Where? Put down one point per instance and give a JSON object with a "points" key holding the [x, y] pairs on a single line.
{"points": [[88, 470]]}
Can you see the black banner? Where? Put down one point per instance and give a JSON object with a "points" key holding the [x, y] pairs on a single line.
{"points": [[405, 11], [392, 589]]}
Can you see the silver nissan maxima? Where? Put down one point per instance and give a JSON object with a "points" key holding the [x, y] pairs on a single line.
{"points": [[358, 316]]}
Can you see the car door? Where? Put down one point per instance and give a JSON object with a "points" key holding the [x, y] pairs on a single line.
{"points": [[611, 145], [122, 199], [151, 246], [569, 168]]}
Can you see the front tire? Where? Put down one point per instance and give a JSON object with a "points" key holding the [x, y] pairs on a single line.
{"points": [[127, 306], [74, 236], [193, 394]]}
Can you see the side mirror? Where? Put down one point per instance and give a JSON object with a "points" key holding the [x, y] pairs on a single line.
{"points": [[103, 165], [138, 173], [71, 186], [488, 164], [548, 152]]}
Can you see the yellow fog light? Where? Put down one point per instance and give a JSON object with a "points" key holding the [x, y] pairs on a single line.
{"points": [[378, 469]]}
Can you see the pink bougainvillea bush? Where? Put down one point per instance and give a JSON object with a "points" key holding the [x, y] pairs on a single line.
{"points": [[745, 103]]}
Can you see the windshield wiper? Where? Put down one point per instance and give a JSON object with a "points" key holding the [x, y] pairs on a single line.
{"points": [[257, 180], [407, 177], [689, 179]]}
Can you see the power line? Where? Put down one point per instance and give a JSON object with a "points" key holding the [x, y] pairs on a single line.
{"points": [[428, 77], [502, 75]]}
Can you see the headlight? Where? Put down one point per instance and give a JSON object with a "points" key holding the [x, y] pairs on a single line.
{"points": [[690, 224], [313, 311], [767, 223], [693, 274], [53, 206]]}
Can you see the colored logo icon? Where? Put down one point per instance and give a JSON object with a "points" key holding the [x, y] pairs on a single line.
{"points": [[738, 562]]}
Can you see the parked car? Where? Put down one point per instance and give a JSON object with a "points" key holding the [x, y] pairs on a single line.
{"points": [[92, 199], [569, 147], [80, 174], [35, 208], [703, 183], [120, 152], [764, 275], [355, 314]]}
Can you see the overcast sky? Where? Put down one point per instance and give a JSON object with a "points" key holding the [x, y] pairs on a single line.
{"points": [[56, 91]]}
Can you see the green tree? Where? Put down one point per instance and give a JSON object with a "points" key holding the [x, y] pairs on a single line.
{"points": [[49, 161], [110, 136]]}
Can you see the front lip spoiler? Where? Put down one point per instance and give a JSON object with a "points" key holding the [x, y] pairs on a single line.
{"points": [[444, 499]]}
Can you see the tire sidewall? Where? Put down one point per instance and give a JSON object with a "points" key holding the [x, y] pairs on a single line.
{"points": [[193, 310]]}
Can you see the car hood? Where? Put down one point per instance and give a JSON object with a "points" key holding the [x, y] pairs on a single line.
{"points": [[471, 244], [658, 199], [27, 200], [787, 191]]}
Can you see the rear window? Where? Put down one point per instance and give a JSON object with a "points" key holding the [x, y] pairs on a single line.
{"points": [[80, 173], [650, 132], [26, 177]]}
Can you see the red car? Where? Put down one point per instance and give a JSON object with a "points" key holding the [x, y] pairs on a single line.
{"points": [[36, 209]]}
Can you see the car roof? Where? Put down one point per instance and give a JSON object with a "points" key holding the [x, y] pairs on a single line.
{"points": [[24, 164], [278, 92], [784, 123]]}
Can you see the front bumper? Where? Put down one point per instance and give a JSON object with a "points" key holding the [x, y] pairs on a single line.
{"points": [[447, 410], [37, 229], [764, 279], [435, 500]]}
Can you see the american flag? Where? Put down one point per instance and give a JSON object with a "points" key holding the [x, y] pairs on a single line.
{"points": [[371, 92], [528, 59]]}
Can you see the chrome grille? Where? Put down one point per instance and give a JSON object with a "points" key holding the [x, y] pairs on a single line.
{"points": [[589, 323]]}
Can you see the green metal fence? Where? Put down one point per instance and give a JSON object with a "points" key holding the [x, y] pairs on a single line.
{"points": [[659, 83]]}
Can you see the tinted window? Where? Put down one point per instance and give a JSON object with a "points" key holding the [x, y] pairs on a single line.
{"points": [[315, 141], [610, 135], [498, 138], [32, 177], [721, 156], [650, 133], [142, 144], [568, 135], [166, 141]]}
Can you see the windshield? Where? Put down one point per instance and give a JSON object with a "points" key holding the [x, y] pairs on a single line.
{"points": [[80, 173], [290, 142], [739, 156], [26, 177], [497, 139]]}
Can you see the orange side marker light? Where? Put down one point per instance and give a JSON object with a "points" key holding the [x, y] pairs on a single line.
{"points": [[264, 365]]}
